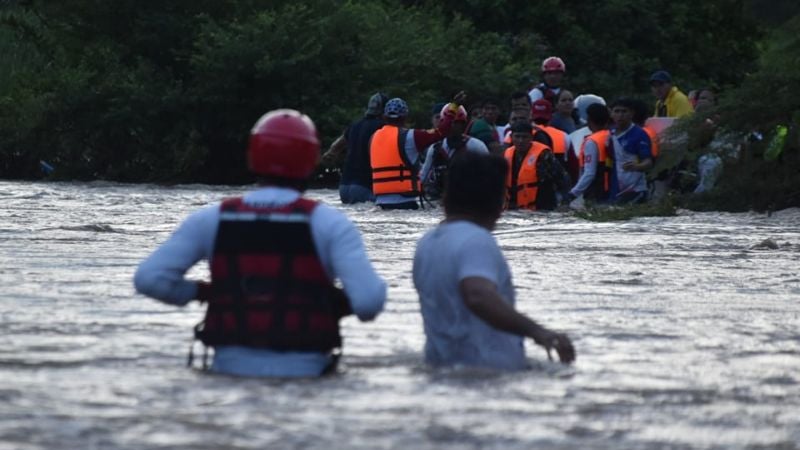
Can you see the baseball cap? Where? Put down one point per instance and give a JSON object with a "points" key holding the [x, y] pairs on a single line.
{"points": [[375, 104], [660, 76]]}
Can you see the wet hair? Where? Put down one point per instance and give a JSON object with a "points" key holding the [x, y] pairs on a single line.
{"points": [[709, 89], [597, 113], [522, 127], [490, 101], [520, 94], [476, 184], [624, 102]]}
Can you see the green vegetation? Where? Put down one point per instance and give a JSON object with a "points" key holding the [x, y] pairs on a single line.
{"points": [[662, 208], [166, 91]]}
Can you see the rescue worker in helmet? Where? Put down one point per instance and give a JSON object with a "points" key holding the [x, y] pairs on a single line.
{"points": [[272, 306], [553, 70], [439, 155], [395, 154]]}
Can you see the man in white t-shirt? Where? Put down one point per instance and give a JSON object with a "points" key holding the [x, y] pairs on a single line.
{"points": [[464, 284]]}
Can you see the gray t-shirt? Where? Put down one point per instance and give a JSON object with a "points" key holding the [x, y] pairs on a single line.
{"points": [[454, 335]]}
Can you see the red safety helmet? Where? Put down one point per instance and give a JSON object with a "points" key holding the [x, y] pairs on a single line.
{"points": [[461, 113], [283, 143], [553, 64]]}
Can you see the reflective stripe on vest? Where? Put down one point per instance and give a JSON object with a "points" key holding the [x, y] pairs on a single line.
{"points": [[269, 287], [391, 172], [602, 182], [522, 193]]}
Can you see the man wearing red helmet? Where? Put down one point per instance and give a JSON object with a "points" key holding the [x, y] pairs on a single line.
{"points": [[553, 70], [273, 308], [438, 155], [395, 154]]}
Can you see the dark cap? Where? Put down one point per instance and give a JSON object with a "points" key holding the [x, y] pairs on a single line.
{"points": [[661, 76], [375, 104]]}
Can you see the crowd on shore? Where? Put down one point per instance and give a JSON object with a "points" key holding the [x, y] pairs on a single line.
{"points": [[562, 149]]}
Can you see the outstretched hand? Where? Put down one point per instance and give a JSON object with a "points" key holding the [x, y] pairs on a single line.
{"points": [[561, 344], [460, 98]]}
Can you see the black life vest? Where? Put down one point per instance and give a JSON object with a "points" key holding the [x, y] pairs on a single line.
{"points": [[434, 185], [269, 287]]}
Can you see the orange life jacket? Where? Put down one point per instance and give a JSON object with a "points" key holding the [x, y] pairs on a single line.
{"points": [[653, 141], [558, 138], [601, 185], [522, 187], [392, 173]]}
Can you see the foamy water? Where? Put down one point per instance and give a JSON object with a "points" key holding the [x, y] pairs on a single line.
{"points": [[687, 337]]}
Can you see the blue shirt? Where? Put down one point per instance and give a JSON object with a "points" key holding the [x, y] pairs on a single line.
{"points": [[632, 144]]}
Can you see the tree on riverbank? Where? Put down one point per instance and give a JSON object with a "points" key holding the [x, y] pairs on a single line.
{"points": [[166, 91]]}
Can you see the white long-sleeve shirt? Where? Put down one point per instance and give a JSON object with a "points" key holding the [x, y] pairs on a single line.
{"points": [[589, 169], [341, 252]]}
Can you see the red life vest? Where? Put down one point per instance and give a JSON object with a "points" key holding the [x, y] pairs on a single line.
{"points": [[548, 94], [269, 287]]}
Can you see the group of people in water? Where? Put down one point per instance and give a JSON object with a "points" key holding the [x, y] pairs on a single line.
{"points": [[561, 149], [285, 269]]}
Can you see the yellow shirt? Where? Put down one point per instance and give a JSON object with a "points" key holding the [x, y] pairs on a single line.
{"points": [[677, 104]]}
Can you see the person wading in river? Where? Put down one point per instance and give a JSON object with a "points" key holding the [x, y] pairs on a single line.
{"points": [[273, 309], [464, 284]]}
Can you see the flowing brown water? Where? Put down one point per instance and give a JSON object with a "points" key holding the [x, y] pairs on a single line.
{"points": [[687, 337]]}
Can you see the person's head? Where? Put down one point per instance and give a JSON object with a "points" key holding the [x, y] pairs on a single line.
{"points": [[622, 112], [660, 84], [565, 103], [475, 186], [640, 112], [553, 69], [519, 100], [436, 114], [521, 136], [490, 110], [459, 124], [597, 116], [283, 149], [582, 103], [541, 111], [519, 115], [375, 104], [395, 111], [475, 112], [706, 99]]}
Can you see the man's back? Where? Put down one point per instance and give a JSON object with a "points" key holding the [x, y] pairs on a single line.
{"points": [[357, 168], [446, 255]]}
